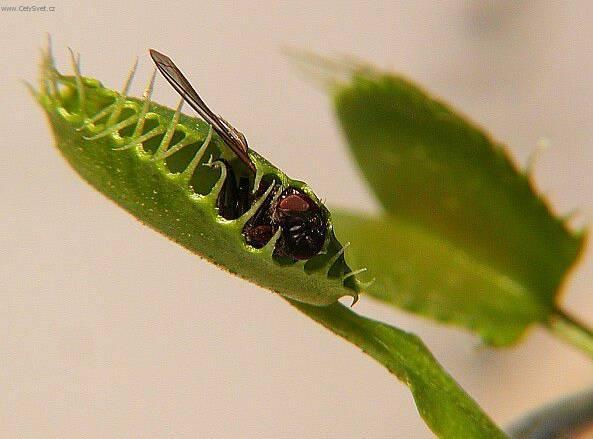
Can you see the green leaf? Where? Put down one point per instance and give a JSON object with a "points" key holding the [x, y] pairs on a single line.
{"points": [[456, 199], [417, 270], [445, 407], [110, 140]]}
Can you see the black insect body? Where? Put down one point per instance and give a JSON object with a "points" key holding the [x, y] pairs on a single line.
{"points": [[302, 222], [303, 225]]}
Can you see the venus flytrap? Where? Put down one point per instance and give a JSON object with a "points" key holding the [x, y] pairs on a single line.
{"points": [[165, 168], [114, 138]]}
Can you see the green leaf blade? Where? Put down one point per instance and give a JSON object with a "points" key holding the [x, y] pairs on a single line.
{"points": [[431, 168], [418, 271]]}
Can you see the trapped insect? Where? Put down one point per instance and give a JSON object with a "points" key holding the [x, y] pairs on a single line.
{"points": [[302, 223]]}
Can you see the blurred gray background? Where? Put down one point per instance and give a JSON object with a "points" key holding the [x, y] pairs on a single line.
{"points": [[107, 329]]}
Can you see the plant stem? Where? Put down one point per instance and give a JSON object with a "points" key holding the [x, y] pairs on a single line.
{"points": [[571, 330]]}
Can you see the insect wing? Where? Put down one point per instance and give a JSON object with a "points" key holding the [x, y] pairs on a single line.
{"points": [[232, 137]]}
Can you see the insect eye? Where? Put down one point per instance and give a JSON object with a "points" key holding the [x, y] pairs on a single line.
{"points": [[294, 203]]}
